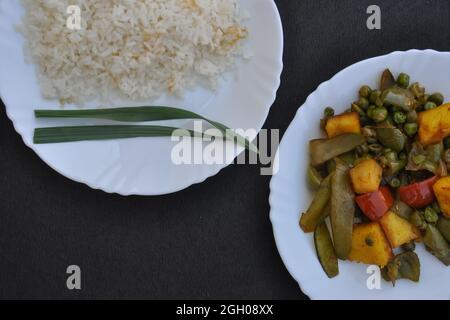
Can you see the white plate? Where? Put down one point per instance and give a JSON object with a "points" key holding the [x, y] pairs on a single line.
{"points": [[290, 193], [144, 166]]}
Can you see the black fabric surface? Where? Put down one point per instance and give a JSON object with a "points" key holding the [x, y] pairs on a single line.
{"points": [[211, 241]]}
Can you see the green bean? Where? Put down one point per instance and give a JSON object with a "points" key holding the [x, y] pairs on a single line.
{"points": [[314, 178], [391, 138], [322, 150], [342, 210], [437, 244], [444, 227], [325, 250], [316, 211], [376, 94]]}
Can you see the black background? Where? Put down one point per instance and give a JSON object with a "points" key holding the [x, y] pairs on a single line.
{"points": [[211, 241]]}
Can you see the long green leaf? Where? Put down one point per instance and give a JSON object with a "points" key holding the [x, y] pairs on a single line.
{"points": [[144, 114], [86, 133]]}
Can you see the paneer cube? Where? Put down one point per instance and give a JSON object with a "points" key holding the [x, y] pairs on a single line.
{"points": [[398, 230], [442, 192], [369, 245], [366, 176], [344, 123], [434, 125]]}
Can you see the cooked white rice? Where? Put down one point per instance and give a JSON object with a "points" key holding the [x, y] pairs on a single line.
{"points": [[138, 48]]}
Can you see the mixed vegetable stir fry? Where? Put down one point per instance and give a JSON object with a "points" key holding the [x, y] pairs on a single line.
{"points": [[381, 177]]}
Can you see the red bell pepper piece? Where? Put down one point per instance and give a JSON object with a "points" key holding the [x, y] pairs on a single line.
{"points": [[376, 204], [418, 195]]}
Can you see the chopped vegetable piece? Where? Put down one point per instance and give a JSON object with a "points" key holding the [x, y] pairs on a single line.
{"points": [[404, 266], [375, 205], [369, 245], [443, 226], [366, 176], [322, 150], [437, 244], [402, 209], [317, 210], [399, 97], [418, 195], [434, 125], [387, 80], [314, 178], [442, 191], [436, 98], [398, 230], [325, 250], [342, 210], [392, 138], [344, 123]]}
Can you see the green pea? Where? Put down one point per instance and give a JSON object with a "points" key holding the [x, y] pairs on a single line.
{"points": [[369, 111], [430, 215], [411, 129], [437, 98], [329, 112], [363, 103], [356, 108], [365, 91], [403, 80], [376, 94], [399, 117], [429, 105], [379, 114]]}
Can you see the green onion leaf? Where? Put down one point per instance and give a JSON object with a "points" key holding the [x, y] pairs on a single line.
{"points": [[86, 133], [144, 114]]}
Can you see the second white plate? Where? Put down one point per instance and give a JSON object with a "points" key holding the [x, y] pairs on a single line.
{"points": [[290, 195]]}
